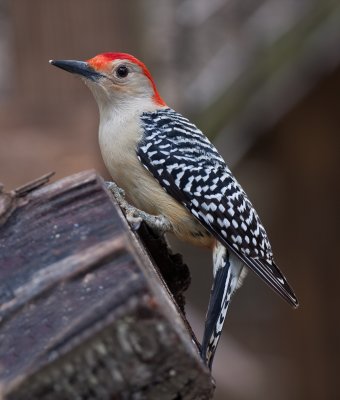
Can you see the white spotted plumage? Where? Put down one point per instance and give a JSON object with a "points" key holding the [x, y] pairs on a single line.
{"points": [[194, 167], [194, 173]]}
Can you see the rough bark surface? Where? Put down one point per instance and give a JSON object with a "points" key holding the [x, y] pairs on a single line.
{"points": [[84, 312]]}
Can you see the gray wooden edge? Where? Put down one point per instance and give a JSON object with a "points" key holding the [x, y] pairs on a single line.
{"points": [[84, 311]]}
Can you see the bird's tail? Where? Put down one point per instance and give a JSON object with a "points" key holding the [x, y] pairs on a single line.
{"points": [[227, 271]]}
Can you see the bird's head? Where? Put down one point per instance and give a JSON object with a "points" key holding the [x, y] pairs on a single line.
{"points": [[115, 79]]}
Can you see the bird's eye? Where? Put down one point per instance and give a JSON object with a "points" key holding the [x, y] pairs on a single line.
{"points": [[122, 71]]}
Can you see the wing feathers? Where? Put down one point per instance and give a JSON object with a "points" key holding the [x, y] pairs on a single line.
{"points": [[191, 170]]}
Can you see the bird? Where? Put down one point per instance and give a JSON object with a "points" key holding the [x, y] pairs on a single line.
{"points": [[167, 173]]}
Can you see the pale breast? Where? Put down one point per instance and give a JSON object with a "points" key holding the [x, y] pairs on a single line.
{"points": [[118, 144]]}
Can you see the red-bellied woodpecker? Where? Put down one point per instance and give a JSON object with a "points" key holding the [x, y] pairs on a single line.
{"points": [[177, 181]]}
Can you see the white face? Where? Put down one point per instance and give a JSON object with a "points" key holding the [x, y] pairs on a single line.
{"points": [[121, 81]]}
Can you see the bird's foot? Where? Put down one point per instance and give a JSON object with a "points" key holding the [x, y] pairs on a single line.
{"points": [[157, 223], [118, 193], [135, 216]]}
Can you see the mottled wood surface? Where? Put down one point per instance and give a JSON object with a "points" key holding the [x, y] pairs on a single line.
{"points": [[84, 313]]}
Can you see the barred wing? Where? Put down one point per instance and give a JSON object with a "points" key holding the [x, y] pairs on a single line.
{"points": [[191, 170]]}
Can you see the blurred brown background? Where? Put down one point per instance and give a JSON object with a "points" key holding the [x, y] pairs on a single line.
{"points": [[262, 78]]}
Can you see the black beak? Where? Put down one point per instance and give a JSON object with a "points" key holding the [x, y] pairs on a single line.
{"points": [[77, 67]]}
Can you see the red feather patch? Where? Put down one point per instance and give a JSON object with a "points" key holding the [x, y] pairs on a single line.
{"points": [[101, 63]]}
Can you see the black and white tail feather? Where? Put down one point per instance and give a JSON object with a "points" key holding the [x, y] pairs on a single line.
{"points": [[228, 271], [190, 169]]}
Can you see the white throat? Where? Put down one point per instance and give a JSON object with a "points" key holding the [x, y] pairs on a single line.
{"points": [[121, 120], [120, 130]]}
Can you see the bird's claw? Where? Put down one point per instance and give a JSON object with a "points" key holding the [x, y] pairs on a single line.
{"points": [[134, 216], [133, 220]]}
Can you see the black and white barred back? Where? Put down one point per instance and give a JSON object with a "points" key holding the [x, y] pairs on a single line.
{"points": [[190, 169]]}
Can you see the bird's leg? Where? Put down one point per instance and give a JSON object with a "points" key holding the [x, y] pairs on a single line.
{"points": [[135, 216]]}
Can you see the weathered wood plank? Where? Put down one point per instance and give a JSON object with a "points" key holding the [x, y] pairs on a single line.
{"points": [[83, 311]]}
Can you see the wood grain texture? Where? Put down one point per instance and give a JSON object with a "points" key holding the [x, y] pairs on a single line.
{"points": [[84, 312]]}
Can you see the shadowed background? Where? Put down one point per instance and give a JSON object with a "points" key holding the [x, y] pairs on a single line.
{"points": [[262, 79]]}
